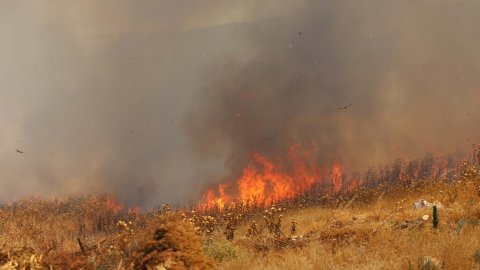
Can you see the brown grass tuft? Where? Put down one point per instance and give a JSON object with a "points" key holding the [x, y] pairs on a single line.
{"points": [[171, 243]]}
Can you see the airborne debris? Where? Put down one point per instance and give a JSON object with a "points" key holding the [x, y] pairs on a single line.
{"points": [[345, 107]]}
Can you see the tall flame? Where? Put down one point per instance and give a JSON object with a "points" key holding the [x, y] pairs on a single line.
{"points": [[266, 181], [337, 181]]}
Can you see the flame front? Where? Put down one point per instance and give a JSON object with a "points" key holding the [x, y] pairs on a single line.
{"points": [[264, 181]]}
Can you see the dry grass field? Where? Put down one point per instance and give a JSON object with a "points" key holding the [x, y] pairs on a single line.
{"points": [[374, 228], [387, 233]]}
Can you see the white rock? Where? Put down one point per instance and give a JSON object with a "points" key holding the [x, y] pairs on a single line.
{"points": [[425, 204], [421, 204]]}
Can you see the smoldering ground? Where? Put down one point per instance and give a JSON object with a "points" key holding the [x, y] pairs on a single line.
{"points": [[155, 100]]}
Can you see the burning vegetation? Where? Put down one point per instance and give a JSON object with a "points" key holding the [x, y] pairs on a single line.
{"points": [[262, 180], [269, 114], [97, 232], [263, 183]]}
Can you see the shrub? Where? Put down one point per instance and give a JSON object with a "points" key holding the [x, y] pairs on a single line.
{"points": [[171, 243], [221, 251]]}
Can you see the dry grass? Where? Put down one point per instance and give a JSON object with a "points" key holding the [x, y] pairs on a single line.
{"points": [[91, 233], [385, 234], [375, 228]]}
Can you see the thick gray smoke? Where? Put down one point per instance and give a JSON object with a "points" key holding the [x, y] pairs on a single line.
{"points": [[407, 68], [154, 100]]}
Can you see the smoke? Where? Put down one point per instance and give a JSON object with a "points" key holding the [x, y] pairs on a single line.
{"points": [[154, 100], [407, 68]]}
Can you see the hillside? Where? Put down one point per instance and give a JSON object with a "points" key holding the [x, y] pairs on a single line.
{"points": [[375, 228], [385, 233]]}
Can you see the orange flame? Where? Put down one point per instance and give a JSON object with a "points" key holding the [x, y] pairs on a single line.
{"points": [[337, 181], [117, 207], [266, 182], [113, 205]]}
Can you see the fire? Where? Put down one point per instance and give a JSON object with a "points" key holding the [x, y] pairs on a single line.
{"points": [[264, 181], [114, 205], [337, 181], [117, 207]]}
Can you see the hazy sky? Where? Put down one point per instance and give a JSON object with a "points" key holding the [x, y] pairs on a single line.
{"points": [[142, 98]]}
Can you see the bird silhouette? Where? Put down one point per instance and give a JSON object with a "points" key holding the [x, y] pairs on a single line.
{"points": [[18, 151], [344, 108]]}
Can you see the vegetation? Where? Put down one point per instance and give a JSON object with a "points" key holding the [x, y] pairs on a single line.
{"points": [[92, 233], [371, 227]]}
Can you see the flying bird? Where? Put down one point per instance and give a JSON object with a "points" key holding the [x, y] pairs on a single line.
{"points": [[344, 108], [18, 151]]}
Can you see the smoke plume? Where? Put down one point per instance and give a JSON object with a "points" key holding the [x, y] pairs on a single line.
{"points": [[363, 82]]}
